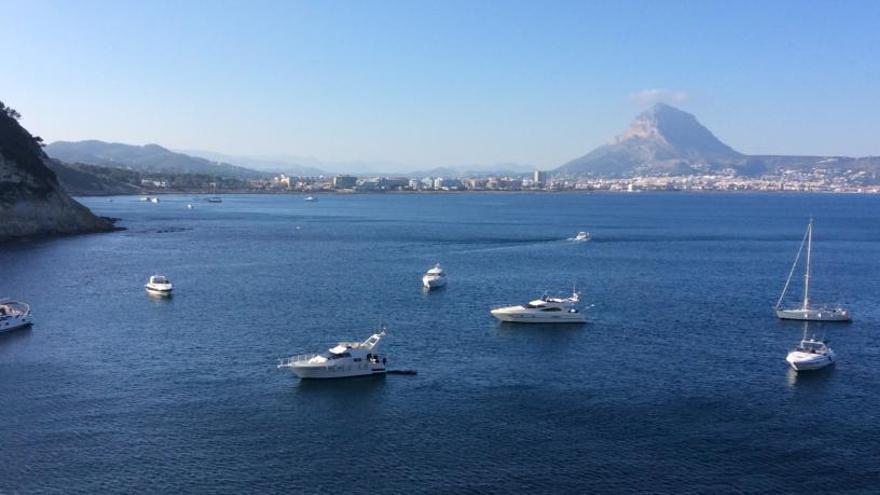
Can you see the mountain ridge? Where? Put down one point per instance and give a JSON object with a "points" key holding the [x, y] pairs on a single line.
{"points": [[143, 158]]}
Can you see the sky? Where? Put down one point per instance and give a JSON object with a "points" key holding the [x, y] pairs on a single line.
{"points": [[442, 83]]}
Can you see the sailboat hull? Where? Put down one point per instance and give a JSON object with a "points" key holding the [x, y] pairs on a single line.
{"points": [[837, 314]]}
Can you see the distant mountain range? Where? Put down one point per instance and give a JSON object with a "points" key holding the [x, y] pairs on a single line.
{"points": [[667, 141], [148, 158]]}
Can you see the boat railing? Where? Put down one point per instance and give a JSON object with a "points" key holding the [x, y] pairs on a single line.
{"points": [[290, 361]]}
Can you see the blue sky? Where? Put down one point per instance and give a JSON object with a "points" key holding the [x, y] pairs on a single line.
{"points": [[441, 83]]}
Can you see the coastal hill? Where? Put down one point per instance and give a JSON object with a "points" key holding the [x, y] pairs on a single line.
{"points": [[31, 200], [148, 158], [667, 141]]}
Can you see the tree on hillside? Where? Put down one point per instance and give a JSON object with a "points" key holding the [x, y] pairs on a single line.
{"points": [[9, 111]]}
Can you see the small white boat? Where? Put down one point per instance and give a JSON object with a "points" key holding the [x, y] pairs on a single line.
{"points": [[545, 310], [154, 199], [581, 236], [311, 198], [806, 311], [344, 360], [159, 285], [434, 278], [14, 315], [810, 354], [189, 206], [145, 198]]}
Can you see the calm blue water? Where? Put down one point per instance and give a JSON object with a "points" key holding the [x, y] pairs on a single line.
{"points": [[677, 384]]}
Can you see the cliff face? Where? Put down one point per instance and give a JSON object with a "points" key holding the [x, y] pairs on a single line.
{"points": [[31, 200]]}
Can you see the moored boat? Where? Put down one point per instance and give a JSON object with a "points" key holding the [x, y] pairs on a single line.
{"points": [[14, 315], [434, 277], [159, 285], [547, 309], [807, 311], [810, 354], [344, 360]]}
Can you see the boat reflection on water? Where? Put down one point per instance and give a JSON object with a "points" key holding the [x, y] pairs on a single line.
{"points": [[815, 381]]}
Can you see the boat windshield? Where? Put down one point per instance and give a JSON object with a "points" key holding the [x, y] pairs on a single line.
{"points": [[160, 280], [330, 355]]}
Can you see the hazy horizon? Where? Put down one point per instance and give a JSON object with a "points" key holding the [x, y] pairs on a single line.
{"points": [[424, 86]]}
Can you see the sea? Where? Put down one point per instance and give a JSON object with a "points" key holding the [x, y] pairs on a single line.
{"points": [[677, 383]]}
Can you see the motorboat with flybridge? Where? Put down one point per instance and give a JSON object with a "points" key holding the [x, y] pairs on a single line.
{"points": [[344, 360], [14, 315], [547, 309], [159, 285], [810, 354], [807, 311], [434, 277], [581, 236]]}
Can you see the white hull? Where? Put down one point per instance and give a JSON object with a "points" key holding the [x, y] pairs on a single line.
{"points": [[521, 317], [432, 282], [805, 361], [813, 314], [343, 371], [10, 323], [158, 292]]}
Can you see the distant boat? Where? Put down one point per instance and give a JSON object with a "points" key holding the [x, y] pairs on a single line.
{"points": [[189, 206], [311, 198], [214, 198], [344, 360], [154, 199], [14, 315], [807, 311], [434, 278], [544, 310], [582, 236], [810, 354], [159, 285]]}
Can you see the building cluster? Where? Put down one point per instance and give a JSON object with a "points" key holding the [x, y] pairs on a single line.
{"points": [[817, 180], [351, 183]]}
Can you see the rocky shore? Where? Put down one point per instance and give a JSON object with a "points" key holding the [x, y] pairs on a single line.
{"points": [[32, 202]]}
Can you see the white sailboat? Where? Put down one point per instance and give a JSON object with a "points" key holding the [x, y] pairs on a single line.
{"points": [[807, 311]]}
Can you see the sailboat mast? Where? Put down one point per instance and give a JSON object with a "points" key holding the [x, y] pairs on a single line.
{"points": [[807, 271]]}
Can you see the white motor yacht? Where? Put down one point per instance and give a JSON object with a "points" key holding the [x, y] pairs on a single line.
{"points": [[13, 315], [159, 285], [434, 278], [345, 360], [544, 310], [811, 354], [581, 236]]}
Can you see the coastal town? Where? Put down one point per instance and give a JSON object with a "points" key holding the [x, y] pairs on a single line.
{"points": [[817, 180]]}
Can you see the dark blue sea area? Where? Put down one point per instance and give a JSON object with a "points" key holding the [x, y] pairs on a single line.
{"points": [[677, 384]]}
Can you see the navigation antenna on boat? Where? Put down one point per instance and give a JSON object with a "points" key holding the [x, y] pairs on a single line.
{"points": [[797, 258]]}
